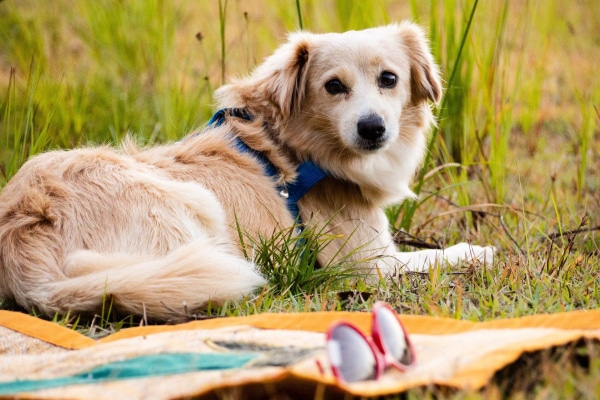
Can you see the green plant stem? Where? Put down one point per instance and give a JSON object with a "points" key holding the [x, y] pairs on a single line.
{"points": [[222, 21], [299, 11]]}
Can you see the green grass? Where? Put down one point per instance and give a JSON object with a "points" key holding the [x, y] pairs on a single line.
{"points": [[512, 163]]}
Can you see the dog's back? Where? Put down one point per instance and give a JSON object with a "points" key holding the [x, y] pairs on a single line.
{"points": [[91, 225]]}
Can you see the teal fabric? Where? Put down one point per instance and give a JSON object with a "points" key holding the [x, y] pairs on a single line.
{"points": [[138, 367]]}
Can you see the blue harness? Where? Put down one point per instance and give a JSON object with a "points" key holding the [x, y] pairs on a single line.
{"points": [[308, 174]]}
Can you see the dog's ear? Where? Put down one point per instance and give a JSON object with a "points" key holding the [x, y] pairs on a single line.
{"points": [[425, 81], [285, 74], [278, 85]]}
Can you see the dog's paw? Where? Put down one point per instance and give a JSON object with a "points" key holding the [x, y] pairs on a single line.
{"points": [[469, 253]]}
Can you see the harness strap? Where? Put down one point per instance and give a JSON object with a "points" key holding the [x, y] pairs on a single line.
{"points": [[308, 174]]}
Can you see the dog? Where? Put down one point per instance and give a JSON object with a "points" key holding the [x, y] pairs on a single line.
{"points": [[325, 133]]}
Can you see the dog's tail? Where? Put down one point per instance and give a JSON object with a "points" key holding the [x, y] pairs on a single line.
{"points": [[161, 288]]}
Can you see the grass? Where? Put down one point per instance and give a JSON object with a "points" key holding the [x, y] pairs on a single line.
{"points": [[512, 163]]}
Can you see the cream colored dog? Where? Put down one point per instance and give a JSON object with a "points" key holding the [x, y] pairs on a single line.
{"points": [[155, 228]]}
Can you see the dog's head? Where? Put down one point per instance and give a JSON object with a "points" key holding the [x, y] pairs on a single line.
{"points": [[348, 101]]}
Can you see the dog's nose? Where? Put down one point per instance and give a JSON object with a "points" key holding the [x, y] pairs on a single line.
{"points": [[371, 127]]}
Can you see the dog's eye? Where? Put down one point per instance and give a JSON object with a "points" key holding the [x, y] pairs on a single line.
{"points": [[387, 80], [335, 86]]}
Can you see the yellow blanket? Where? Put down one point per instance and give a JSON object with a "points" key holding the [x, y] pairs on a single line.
{"points": [[260, 354]]}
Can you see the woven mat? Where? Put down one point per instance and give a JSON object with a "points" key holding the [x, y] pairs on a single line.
{"points": [[260, 354]]}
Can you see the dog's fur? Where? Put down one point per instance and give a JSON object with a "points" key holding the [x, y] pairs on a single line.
{"points": [[155, 228]]}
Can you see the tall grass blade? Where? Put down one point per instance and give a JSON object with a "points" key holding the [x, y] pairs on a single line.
{"points": [[222, 28], [299, 12]]}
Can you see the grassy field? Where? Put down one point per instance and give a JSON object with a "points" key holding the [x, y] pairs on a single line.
{"points": [[513, 163]]}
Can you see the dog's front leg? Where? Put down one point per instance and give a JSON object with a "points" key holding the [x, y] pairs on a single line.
{"points": [[421, 261]]}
